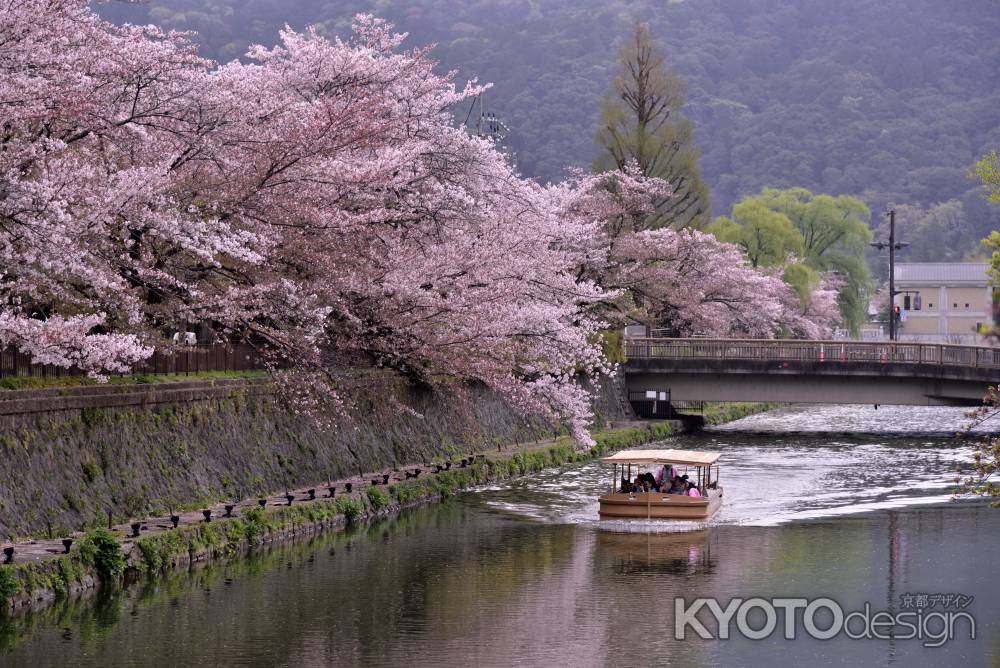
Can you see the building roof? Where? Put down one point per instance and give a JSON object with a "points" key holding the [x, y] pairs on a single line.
{"points": [[683, 457], [973, 273]]}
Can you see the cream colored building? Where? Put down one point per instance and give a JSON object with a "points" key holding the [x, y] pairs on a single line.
{"points": [[942, 302]]}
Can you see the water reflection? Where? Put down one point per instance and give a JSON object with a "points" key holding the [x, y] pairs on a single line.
{"points": [[465, 584], [680, 553]]}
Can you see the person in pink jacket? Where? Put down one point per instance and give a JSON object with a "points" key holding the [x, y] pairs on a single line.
{"points": [[666, 472]]}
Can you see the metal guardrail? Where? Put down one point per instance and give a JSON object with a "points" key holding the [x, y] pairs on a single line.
{"points": [[784, 350], [176, 360]]}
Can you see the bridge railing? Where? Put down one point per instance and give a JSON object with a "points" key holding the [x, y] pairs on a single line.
{"points": [[813, 351]]}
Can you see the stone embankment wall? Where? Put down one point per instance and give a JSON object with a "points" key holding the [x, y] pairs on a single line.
{"points": [[71, 455]]}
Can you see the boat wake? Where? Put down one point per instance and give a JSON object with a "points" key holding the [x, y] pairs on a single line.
{"points": [[766, 482]]}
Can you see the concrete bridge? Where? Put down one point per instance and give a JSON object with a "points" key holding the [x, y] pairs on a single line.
{"points": [[832, 372]]}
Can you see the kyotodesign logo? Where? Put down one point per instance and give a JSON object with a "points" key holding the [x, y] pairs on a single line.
{"points": [[932, 619]]}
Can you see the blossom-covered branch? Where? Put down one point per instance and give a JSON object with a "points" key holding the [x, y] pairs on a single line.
{"points": [[318, 199]]}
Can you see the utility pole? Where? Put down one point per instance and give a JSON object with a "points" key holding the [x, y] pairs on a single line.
{"points": [[892, 274], [893, 246]]}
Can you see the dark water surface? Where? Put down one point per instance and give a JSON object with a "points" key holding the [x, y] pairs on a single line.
{"points": [[524, 574]]}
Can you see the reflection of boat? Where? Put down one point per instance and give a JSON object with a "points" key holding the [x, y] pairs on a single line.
{"points": [[656, 505], [672, 545], [678, 553]]}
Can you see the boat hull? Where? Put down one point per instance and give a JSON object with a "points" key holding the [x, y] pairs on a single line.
{"points": [[656, 506]]}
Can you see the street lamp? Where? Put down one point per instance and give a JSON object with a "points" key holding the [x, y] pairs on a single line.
{"points": [[893, 246]]}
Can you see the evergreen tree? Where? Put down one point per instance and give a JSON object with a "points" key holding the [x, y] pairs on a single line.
{"points": [[641, 122]]}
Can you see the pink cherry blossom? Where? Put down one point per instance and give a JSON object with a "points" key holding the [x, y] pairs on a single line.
{"points": [[319, 201]]}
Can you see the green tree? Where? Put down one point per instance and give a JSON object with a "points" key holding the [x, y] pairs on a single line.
{"points": [[986, 457], [987, 170], [803, 278], [833, 235], [767, 237], [992, 244], [641, 122]]}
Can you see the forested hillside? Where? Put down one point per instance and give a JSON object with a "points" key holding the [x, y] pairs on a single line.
{"points": [[888, 100]]}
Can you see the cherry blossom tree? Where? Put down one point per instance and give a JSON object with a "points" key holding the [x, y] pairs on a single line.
{"points": [[690, 283], [95, 123], [812, 313], [392, 233], [318, 199]]}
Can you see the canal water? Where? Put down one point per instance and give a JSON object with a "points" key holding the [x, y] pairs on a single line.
{"points": [[523, 574]]}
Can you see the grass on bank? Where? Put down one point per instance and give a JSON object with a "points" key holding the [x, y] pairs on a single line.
{"points": [[33, 382], [722, 412]]}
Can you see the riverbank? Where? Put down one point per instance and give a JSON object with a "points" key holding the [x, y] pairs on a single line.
{"points": [[45, 571], [103, 556], [721, 413]]}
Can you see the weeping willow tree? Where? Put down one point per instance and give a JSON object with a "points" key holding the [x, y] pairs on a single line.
{"points": [[641, 121], [825, 233]]}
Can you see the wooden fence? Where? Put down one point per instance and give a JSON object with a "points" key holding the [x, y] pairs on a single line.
{"points": [[175, 360]]}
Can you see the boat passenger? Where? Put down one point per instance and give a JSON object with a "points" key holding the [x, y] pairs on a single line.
{"points": [[693, 490], [649, 481]]}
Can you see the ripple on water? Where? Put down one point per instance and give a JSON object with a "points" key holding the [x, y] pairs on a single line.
{"points": [[858, 419], [795, 472]]}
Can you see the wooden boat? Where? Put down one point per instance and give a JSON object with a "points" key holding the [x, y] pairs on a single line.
{"points": [[656, 505]]}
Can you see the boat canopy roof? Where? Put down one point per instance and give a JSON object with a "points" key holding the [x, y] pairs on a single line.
{"points": [[685, 457]]}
